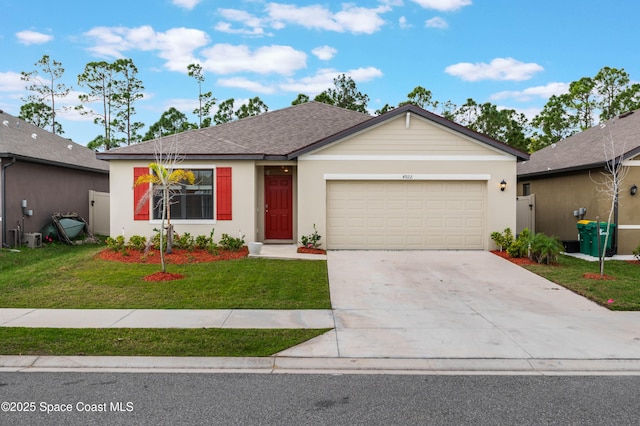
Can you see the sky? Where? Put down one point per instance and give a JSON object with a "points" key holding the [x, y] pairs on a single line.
{"points": [[512, 53]]}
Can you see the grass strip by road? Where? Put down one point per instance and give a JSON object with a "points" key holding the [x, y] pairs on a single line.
{"points": [[60, 276], [151, 341], [619, 293]]}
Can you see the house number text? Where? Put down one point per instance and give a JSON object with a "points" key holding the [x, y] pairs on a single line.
{"points": [[407, 177]]}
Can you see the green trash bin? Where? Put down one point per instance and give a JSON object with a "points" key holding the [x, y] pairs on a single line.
{"points": [[584, 235], [601, 233]]}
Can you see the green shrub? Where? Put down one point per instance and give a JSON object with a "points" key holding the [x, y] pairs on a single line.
{"points": [[228, 242], [116, 244], [185, 241], [545, 249], [202, 242], [504, 240], [155, 240], [521, 246], [311, 240], [137, 242]]}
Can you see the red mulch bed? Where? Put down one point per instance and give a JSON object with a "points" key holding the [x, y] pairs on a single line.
{"points": [[593, 276], [163, 276], [311, 250], [177, 257], [516, 260]]}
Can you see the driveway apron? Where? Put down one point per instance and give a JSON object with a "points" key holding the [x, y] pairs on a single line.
{"points": [[461, 304]]}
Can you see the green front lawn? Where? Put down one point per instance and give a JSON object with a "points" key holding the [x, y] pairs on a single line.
{"points": [[150, 341], [623, 290], [60, 276], [71, 277]]}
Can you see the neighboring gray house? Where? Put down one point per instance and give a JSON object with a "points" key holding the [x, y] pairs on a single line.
{"points": [[562, 177], [51, 173]]}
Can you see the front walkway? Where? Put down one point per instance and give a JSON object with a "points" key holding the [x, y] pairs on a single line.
{"points": [[286, 251]]}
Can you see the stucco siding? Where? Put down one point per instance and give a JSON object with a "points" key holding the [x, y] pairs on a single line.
{"points": [[557, 197], [243, 202], [47, 189]]}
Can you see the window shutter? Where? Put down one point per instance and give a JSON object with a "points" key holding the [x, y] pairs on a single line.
{"points": [[223, 193], [139, 191]]}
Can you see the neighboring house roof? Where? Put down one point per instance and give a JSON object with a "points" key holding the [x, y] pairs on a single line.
{"points": [[284, 134], [589, 149], [26, 142]]}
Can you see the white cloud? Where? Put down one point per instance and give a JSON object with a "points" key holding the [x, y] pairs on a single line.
{"points": [[246, 84], [357, 20], [497, 69], [33, 37], [227, 59], [184, 105], [187, 4], [323, 80], [443, 5], [11, 82], [436, 22], [243, 17], [543, 92], [176, 45], [225, 27], [324, 52], [402, 22], [67, 104]]}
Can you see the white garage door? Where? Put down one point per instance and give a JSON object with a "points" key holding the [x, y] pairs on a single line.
{"points": [[406, 214]]}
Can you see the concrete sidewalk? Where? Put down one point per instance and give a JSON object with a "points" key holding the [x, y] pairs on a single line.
{"points": [[166, 318]]}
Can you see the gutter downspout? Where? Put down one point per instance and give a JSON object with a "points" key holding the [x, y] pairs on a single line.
{"points": [[4, 201]]}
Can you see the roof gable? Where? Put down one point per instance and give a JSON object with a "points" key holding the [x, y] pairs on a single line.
{"points": [[408, 135], [22, 140], [441, 125], [586, 150]]}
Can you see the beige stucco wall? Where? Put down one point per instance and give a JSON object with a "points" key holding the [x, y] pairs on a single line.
{"points": [[424, 150], [243, 202], [557, 198]]}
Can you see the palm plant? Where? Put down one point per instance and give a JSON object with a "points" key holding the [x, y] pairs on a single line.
{"points": [[545, 249]]}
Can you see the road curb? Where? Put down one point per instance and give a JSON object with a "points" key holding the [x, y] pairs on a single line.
{"points": [[290, 365]]}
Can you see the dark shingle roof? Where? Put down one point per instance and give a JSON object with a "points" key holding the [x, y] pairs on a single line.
{"points": [[273, 134], [285, 134], [586, 150], [27, 142]]}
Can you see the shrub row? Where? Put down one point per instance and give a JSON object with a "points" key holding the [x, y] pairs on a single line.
{"points": [[185, 241], [538, 247]]}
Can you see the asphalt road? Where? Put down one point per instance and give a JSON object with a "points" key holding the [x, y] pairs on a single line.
{"points": [[261, 399]]}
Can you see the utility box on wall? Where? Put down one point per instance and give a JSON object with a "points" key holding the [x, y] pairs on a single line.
{"points": [[32, 240]]}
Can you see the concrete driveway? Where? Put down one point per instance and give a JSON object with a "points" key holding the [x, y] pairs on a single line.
{"points": [[461, 304]]}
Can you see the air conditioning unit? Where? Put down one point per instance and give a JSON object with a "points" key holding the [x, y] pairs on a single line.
{"points": [[32, 240]]}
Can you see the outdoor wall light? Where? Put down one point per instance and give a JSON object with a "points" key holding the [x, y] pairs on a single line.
{"points": [[634, 189], [503, 185]]}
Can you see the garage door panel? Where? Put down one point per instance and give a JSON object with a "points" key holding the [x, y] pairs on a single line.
{"points": [[406, 215]]}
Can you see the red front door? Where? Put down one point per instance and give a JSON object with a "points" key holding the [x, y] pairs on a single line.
{"points": [[278, 207]]}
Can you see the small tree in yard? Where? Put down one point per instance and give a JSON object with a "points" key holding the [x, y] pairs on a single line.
{"points": [[164, 178], [609, 186]]}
